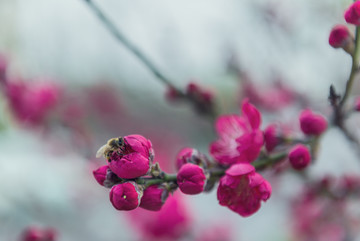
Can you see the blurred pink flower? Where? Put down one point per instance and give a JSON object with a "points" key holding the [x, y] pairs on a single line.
{"points": [[39, 234], [172, 222], [219, 232], [240, 139], [242, 189], [32, 102], [271, 98]]}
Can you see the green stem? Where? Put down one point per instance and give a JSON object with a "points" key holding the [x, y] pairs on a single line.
{"points": [[354, 67], [266, 162]]}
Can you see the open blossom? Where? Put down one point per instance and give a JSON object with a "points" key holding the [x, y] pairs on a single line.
{"points": [[299, 156], [133, 159], [242, 189], [311, 123], [340, 37], [125, 196], [352, 14], [154, 197], [240, 138], [191, 179]]}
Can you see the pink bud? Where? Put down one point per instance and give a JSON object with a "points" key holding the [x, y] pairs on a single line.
{"points": [[190, 155], [125, 196], [352, 14], [299, 156], [154, 197], [133, 159], [202, 99], [340, 37], [311, 123], [271, 138], [191, 179], [100, 174], [184, 156]]}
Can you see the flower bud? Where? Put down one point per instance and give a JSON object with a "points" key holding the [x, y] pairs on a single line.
{"points": [[191, 179], [340, 37], [299, 157], [100, 174], [311, 123], [125, 196], [133, 159], [271, 138], [352, 14], [190, 155], [202, 99], [154, 197]]}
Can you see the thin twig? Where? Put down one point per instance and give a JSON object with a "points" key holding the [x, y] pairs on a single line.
{"points": [[129, 45]]}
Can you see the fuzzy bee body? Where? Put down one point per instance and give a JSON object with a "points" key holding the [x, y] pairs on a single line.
{"points": [[114, 144]]}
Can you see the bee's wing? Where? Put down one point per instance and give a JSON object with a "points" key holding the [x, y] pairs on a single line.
{"points": [[101, 151]]}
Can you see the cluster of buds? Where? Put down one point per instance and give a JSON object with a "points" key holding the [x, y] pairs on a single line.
{"points": [[38, 234], [340, 35], [130, 164], [202, 99]]}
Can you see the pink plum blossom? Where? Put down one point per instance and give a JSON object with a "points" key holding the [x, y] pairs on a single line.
{"points": [[311, 123], [154, 197], [191, 179], [134, 159], [242, 189], [240, 139], [125, 196]]}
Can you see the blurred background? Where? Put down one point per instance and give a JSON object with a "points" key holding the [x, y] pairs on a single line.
{"points": [[96, 89]]}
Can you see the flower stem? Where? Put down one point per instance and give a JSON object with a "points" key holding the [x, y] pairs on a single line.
{"points": [[354, 68], [268, 161]]}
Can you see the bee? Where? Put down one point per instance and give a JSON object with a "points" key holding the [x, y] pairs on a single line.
{"points": [[114, 144]]}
